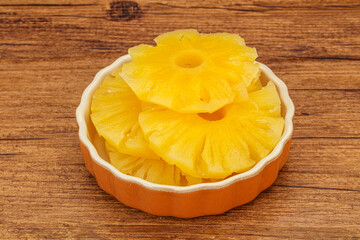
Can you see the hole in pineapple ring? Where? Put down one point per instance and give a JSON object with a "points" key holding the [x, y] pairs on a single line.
{"points": [[215, 116], [188, 60]]}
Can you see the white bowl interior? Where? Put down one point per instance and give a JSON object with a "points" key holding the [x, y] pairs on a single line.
{"points": [[96, 146]]}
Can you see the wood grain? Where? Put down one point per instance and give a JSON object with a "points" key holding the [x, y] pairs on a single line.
{"points": [[49, 52]]}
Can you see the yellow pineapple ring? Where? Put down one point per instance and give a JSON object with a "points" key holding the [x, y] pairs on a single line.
{"points": [[190, 72], [216, 145], [114, 112], [152, 170]]}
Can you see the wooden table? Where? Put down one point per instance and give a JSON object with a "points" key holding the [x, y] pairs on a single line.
{"points": [[51, 50]]}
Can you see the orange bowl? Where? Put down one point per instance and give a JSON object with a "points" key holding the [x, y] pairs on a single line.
{"points": [[189, 201]]}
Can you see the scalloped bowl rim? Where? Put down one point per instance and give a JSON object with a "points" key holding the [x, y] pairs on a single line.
{"points": [[83, 130]]}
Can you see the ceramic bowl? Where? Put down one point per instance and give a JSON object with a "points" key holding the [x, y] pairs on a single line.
{"points": [[189, 201]]}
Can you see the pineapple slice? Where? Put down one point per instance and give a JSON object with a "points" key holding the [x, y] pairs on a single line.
{"points": [[254, 85], [266, 100], [114, 112], [152, 170], [216, 145], [190, 72]]}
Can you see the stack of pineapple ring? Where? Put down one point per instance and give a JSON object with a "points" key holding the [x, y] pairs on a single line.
{"points": [[191, 109]]}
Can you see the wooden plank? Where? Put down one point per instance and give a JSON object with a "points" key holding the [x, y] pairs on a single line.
{"points": [[60, 184], [290, 31], [33, 158], [323, 163], [50, 51], [52, 114], [305, 74], [312, 74]]}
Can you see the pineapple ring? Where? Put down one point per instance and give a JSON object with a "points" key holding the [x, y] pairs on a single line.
{"points": [[190, 72], [114, 113], [216, 145], [152, 170]]}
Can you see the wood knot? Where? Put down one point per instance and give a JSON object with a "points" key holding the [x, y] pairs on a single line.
{"points": [[124, 10]]}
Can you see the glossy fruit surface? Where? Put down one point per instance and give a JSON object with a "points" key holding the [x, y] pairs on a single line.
{"points": [[114, 112], [190, 72], [216, 145]]}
